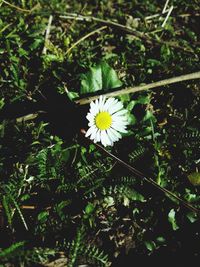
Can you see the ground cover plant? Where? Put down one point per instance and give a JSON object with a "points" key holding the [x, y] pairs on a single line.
{"points": [[65, 200]]}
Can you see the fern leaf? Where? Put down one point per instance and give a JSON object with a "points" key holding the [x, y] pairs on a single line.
{"points": [[96, 256], [10, 252], [75, 247], [5, 203], [137, 153]]}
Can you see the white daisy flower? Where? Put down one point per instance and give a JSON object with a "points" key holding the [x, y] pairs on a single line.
{"points": [[107, 120]]}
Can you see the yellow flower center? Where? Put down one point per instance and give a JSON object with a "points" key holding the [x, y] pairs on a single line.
{"points": [[103, 120]]}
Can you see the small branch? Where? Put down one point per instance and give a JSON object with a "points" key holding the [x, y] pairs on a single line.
{"points": [[165, 7], [16, 7], [29, 117], [167, 17], [149, 180], [47, 34], [105, 22], [85, 37], [124, 28], [4, 28], [28, 207], [128, 90]]}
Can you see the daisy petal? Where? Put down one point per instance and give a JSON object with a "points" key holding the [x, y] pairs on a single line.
{"points": [[93, 108], [115, 133], [102, 100], [93, 135], [121, 112], [109, 102], [98, 136], [90, 117], [111, 136], [120, 119], [115, 107], [91, 123], [119, 127], [104, 138], [90, 130]]}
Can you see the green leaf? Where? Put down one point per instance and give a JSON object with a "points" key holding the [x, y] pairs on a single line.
{"points": [[172, 219], [99, 77], [153, 62], [194, 178], [7, 209], [150, 245], [9, 252], [89, 208], [109, 77], [192, 217], [2, 103], [160, 239], [136, 196], [43, 216], [191, 197], [72, 95], [65, 155]]}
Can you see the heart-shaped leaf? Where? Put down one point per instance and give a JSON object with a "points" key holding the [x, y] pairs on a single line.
{"points": [[99, 77], [194, 178]]}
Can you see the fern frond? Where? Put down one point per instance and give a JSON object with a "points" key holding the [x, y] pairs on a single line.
{"points": [[125, 180], [66, 187], [186, 136], [7, 209], [96, 256], [137, 153], [190, 139], [121, 191], [42, 160], [76, 246], [93, 186], [86, 172], [19, 211], [11, 251]]}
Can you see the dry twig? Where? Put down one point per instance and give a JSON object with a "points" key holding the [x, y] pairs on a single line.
{"points": [[85, 37], [147, 179], [191, 76], [47, 34], [19, 8], [124, 28]]}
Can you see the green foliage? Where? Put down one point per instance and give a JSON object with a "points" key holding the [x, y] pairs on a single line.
{"points": [[76, 247], [123, 193], [137, 153], [172, 219], [42, 159], [65, 199], [99, 77], [2, 103], [93, 254], [96, 256], [17, 253], [11, 251], [194, 178]]}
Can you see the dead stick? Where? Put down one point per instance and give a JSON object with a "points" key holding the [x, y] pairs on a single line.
{"points": [[47, 34], [29, 117], [86, 100], [28, 207], [16, 7], [128, 90], [105, 22], [124, 28], [85, 37], [142, 176]]}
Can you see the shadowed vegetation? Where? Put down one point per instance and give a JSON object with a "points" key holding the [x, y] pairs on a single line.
{"points": [[63, 201]]}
